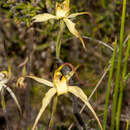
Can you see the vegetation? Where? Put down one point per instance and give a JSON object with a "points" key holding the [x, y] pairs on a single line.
{"points": [[44, 39]]}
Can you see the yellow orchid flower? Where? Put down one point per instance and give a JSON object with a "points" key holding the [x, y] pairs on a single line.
{"points": [[62, 12], [60, 86], [4, 78]]}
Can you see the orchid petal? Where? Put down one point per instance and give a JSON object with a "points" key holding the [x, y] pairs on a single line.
{"points": [[46, 100], [76, 14], [72, 29], [62, 9], [1, 87], [43, 17], [14, 97], [80, 94], [40, 80]]}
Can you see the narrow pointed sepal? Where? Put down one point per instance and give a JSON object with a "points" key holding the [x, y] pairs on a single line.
{"points": [[14, 98], [77, 14], [45, 102], [43, 17], [41, 80], [73, 30], [80, 94]]}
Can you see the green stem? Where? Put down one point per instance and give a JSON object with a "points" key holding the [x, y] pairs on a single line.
{"points": [[109, 86], [122, 85], [53, 111], [127, 125], [58, 42], [118, 67]]}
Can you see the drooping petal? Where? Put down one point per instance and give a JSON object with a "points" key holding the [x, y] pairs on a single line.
{"points": [[80, 94], [80, 13], [72, 29], [46, 100], [14, 97], [40, 80], [43, 17]]}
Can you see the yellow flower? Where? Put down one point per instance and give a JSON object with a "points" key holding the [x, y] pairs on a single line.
{"points": [[4, 78], [62, 12], [60, 86]]}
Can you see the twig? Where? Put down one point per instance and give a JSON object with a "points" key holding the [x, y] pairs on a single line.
{"points": [[94, 40], [100, 42]]}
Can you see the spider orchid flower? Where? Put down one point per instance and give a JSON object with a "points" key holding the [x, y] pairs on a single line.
{"points": [[4, 78], [60, 86], [62, 13]]}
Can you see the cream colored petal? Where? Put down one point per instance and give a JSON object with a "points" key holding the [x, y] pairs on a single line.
{"points": [[80, 94], [76, 14], [43, 17], [46, 100], [14, 97], [40, 80], [1, 87], [72, 29]]}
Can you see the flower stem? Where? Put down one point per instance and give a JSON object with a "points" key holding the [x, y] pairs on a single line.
{"points": [[58, 42], [53, 111], [118, 67]]}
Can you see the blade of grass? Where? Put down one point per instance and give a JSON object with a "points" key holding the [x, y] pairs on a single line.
{"points": [[118, 67], [122, 85], [109, 86]]}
